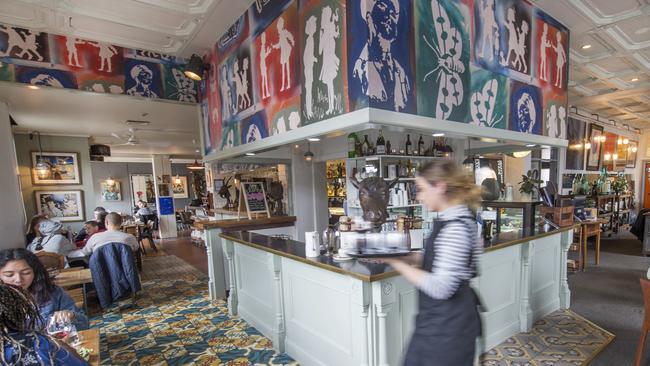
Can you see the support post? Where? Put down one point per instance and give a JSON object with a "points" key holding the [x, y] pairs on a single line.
{"points": [[565, 292], [229, 252], [525, 311], [216, 271], [279, 331]]}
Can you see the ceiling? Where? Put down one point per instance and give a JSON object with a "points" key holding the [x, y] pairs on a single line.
{"points": [[174, 27], [173, 129], [602, 77]]}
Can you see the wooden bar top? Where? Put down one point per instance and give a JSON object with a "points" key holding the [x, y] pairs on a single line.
{"points": [[503, 240], [246, 224]]}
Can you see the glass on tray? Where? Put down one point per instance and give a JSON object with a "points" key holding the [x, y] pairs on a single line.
{"points": [[63, 331]]}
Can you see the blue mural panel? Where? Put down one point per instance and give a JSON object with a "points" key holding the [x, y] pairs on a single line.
{"points": [[525, 108], [254, 128], [45, 77], [380, 71], [143, 79], [233, 37]]}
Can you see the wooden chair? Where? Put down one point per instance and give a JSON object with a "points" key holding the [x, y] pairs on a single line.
{"points": [[51, 260], [645, 289]]}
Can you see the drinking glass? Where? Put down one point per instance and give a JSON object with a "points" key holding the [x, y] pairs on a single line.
{"points": [[61, 330]]}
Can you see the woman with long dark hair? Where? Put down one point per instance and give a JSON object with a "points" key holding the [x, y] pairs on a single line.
{"points": [[21, 341], [448, 322], [20, 267]]}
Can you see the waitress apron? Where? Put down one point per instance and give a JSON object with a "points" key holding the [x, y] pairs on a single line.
{"points": [[445, 330]]}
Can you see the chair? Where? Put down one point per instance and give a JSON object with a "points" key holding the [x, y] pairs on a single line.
{"points": [[150, 226], [645, 289], [112, 267], [51, 260]]}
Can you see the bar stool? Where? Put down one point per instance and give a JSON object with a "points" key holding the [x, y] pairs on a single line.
{"points": [[645, 289]]}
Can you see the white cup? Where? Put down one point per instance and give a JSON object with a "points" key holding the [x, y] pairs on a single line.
{"points": [[312, 244]]}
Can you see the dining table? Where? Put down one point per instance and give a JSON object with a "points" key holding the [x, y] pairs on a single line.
{"points": [[89, 338]]}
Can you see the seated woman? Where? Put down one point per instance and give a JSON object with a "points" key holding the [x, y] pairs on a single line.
{"points": [[20, 267], [52, 239], [32, 228], [22, 343]]}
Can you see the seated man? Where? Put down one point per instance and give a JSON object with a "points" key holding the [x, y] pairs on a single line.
{"points": [[113, 234], [91, 227], [143, 210], [99, 215], [52, 239]]}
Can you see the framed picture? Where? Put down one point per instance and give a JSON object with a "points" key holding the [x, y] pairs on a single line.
{"points": [[64, 168], [60, 205], [110, 192], [142, 188], [575, 153], [632, 148], [594, 154], [179, 187]]}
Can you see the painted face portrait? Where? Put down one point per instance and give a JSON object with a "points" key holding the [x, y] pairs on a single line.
{"points": [[526, 113], [145, 76], [385, 14]]}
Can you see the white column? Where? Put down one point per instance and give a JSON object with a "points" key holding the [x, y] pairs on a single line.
{"points": [[162, 171], [279, 330], [216, 272], [525, 310], [12, 215], [565, 292], [229, 252]]}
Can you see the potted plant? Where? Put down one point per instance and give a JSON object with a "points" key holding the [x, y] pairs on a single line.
{"points": [[619, 184], [528, 184]]}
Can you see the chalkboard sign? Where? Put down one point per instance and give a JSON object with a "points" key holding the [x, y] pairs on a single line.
{"points": [[254, 196]]}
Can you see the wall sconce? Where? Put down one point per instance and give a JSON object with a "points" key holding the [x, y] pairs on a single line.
{"points": [[615, 156], [42, 167], [177, 180], [607, 156], [619, 141], [626, 141], [634, 149], [587, 145], [110, 181]]}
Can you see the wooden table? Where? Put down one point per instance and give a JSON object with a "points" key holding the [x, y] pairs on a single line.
{"points": [[90, 339], [590, 229], [75, 277]]}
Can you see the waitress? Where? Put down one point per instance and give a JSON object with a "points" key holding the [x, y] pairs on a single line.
{"points": [[448, 322]]}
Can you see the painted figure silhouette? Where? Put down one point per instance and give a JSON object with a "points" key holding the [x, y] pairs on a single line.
{"points": [[26, 43], [544, 44], [285, 44], [329, 33], [308, 61], [560, 61], [520, 51], [71, 46], [106, 53], [489, 31], [264, 54]]}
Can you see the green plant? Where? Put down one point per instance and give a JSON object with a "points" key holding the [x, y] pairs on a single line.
{"points": [[620, 183], [529, 182]]}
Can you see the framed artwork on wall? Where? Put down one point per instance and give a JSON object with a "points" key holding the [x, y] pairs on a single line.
{"points": [[594, 153], [575, 151], [179, 187], [632, 148], [110, 191], [63, 168], [142, 188], [60, 205]]}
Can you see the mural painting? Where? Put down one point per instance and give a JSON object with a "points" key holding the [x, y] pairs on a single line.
{"points": [[442, 54], [324, 59], [381, 71], [525, 108], [46, 77], [488, 101], [254, 128]]}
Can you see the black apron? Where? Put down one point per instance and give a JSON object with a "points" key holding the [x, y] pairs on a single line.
{"points": [[445, 330]]}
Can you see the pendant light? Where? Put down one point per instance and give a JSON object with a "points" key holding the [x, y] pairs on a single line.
{"points": [[195, 68], [42, 167], [177, 180], [309, 156], [195, 166]]}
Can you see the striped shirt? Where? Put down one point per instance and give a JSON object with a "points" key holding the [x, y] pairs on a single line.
{"points": [[453, 246]]}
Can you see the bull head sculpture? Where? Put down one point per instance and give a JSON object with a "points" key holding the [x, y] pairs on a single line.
{"points": [[373, 197], [224, 192]]}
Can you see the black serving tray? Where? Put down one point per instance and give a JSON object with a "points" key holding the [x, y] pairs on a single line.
{"points": [[379, 254]]}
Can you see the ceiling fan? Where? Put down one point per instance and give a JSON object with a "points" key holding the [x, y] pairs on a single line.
{"points": [[130, 140]]}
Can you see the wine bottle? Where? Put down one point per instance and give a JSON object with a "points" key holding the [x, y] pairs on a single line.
{"points": [[365, 147], [381, 144], [420, 146], [407, 148], [352, 141], [388, 150]]}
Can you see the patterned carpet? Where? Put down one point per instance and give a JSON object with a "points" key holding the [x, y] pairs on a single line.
{"points": [[561, 338], [175, 323]]}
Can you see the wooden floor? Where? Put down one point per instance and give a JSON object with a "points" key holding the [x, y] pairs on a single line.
{"points": [[183, 248]]}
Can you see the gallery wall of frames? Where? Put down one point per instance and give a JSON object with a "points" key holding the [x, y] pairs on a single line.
{"points": [[288, 63], [39, 58]]}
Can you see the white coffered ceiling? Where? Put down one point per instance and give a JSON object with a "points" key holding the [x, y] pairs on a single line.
{"points": [[175, 27], [611, 78]]}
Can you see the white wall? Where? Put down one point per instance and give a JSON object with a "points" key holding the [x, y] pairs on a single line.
{"points": [[12, 214]]}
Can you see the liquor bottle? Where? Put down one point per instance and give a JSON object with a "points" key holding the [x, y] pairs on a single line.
{"points": [[420, 146], [388, 151], [399, 169], [381, 144], [365, 147], [358, 148], [407, 148], [352, 141]]}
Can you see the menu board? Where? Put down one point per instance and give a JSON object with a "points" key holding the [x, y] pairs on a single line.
{"points": [[254, 196]]}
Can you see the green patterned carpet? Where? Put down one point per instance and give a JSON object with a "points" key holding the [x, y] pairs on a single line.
{"points": [[175, 323], [561, 338]]}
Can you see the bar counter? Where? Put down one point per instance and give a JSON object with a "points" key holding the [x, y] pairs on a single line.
{"points": [[322, 312]]}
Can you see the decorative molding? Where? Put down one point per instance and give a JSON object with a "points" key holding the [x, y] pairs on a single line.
{"points": [[601, 19]]}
